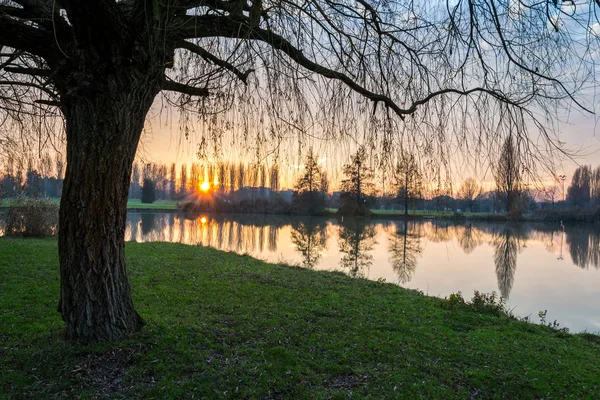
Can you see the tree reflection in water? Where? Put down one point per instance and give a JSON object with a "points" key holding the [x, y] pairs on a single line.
{"points": [[507, 243], [405, 249], [356, 239], [469, 238], [584, 246], [147, 223], [310, 239], [406, 242]]}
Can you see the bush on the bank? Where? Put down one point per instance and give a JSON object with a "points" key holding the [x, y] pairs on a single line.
{"points": [[308, 203], [573, 215], [353, 209], [31, 217], [250, 206], [482, 303], [148, 192]]}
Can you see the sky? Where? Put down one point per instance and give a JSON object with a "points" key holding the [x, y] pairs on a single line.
{"points": [[578, 132], [163, 142]]}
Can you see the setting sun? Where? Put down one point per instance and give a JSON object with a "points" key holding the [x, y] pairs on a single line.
{"points": [[204, 186]]}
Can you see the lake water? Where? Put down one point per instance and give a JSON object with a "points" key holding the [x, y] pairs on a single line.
{"points": [[535, 267]]}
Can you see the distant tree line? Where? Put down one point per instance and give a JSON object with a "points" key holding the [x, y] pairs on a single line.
{"points": [[173, 183], [32, 176], [238, 186]]}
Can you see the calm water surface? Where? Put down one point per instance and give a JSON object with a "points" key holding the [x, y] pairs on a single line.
{"points": [[535, 266]]}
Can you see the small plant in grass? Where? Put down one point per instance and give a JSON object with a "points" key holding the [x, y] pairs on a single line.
{"points": [[31, 217], [554, 324], [484, 303]]}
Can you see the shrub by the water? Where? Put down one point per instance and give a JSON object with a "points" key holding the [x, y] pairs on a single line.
{"points": [[32, 217], [148, 192], [573, 215]]}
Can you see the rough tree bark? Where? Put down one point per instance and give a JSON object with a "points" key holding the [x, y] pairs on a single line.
{"points": [[104, 120]]}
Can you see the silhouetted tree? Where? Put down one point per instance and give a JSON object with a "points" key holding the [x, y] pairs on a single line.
{"points": [[469, 191], [8, 186], [195, 179], [408, 180], [222, 176], [148, 191], [508, 176], [134, 186], [357, 185], [595, 188], [183, 181], [274, 178], [579, 191], [33, 185], [173, 181], [309, 196]]}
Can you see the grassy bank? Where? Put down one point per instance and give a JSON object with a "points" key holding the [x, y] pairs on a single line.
{"points": [[132, 204], [222, 325], [159, 205]]}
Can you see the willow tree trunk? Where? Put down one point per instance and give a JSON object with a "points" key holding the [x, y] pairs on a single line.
{"points": [[104, 122]]}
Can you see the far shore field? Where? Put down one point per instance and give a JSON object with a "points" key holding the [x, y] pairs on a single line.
{"points": [[567, 216]]}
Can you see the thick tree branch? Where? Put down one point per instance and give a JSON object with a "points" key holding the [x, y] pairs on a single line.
{"points": [[31, 85], [173, 86], [29, 71], [229, 6], [48, 103], [208, 26], [15, 12], [194, 48], [20, 36], [43, 12], [97, 21]]}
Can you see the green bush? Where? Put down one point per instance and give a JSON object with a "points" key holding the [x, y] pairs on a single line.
{"points": [[31, 217], [482, 303], [148, 192]]}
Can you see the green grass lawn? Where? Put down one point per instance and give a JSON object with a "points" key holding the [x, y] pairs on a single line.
{"points": [[432, 213], [157, 205], [221, 325], [133, 203]]}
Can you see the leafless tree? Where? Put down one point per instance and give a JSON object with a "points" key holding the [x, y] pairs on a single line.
{"points": [[412, 70], [595, 188], [274, 178], [469, 191], [357, 185], [551, 194], [580, 189], [508, 176], [183, 181], [309, 196], [408, 179]]}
